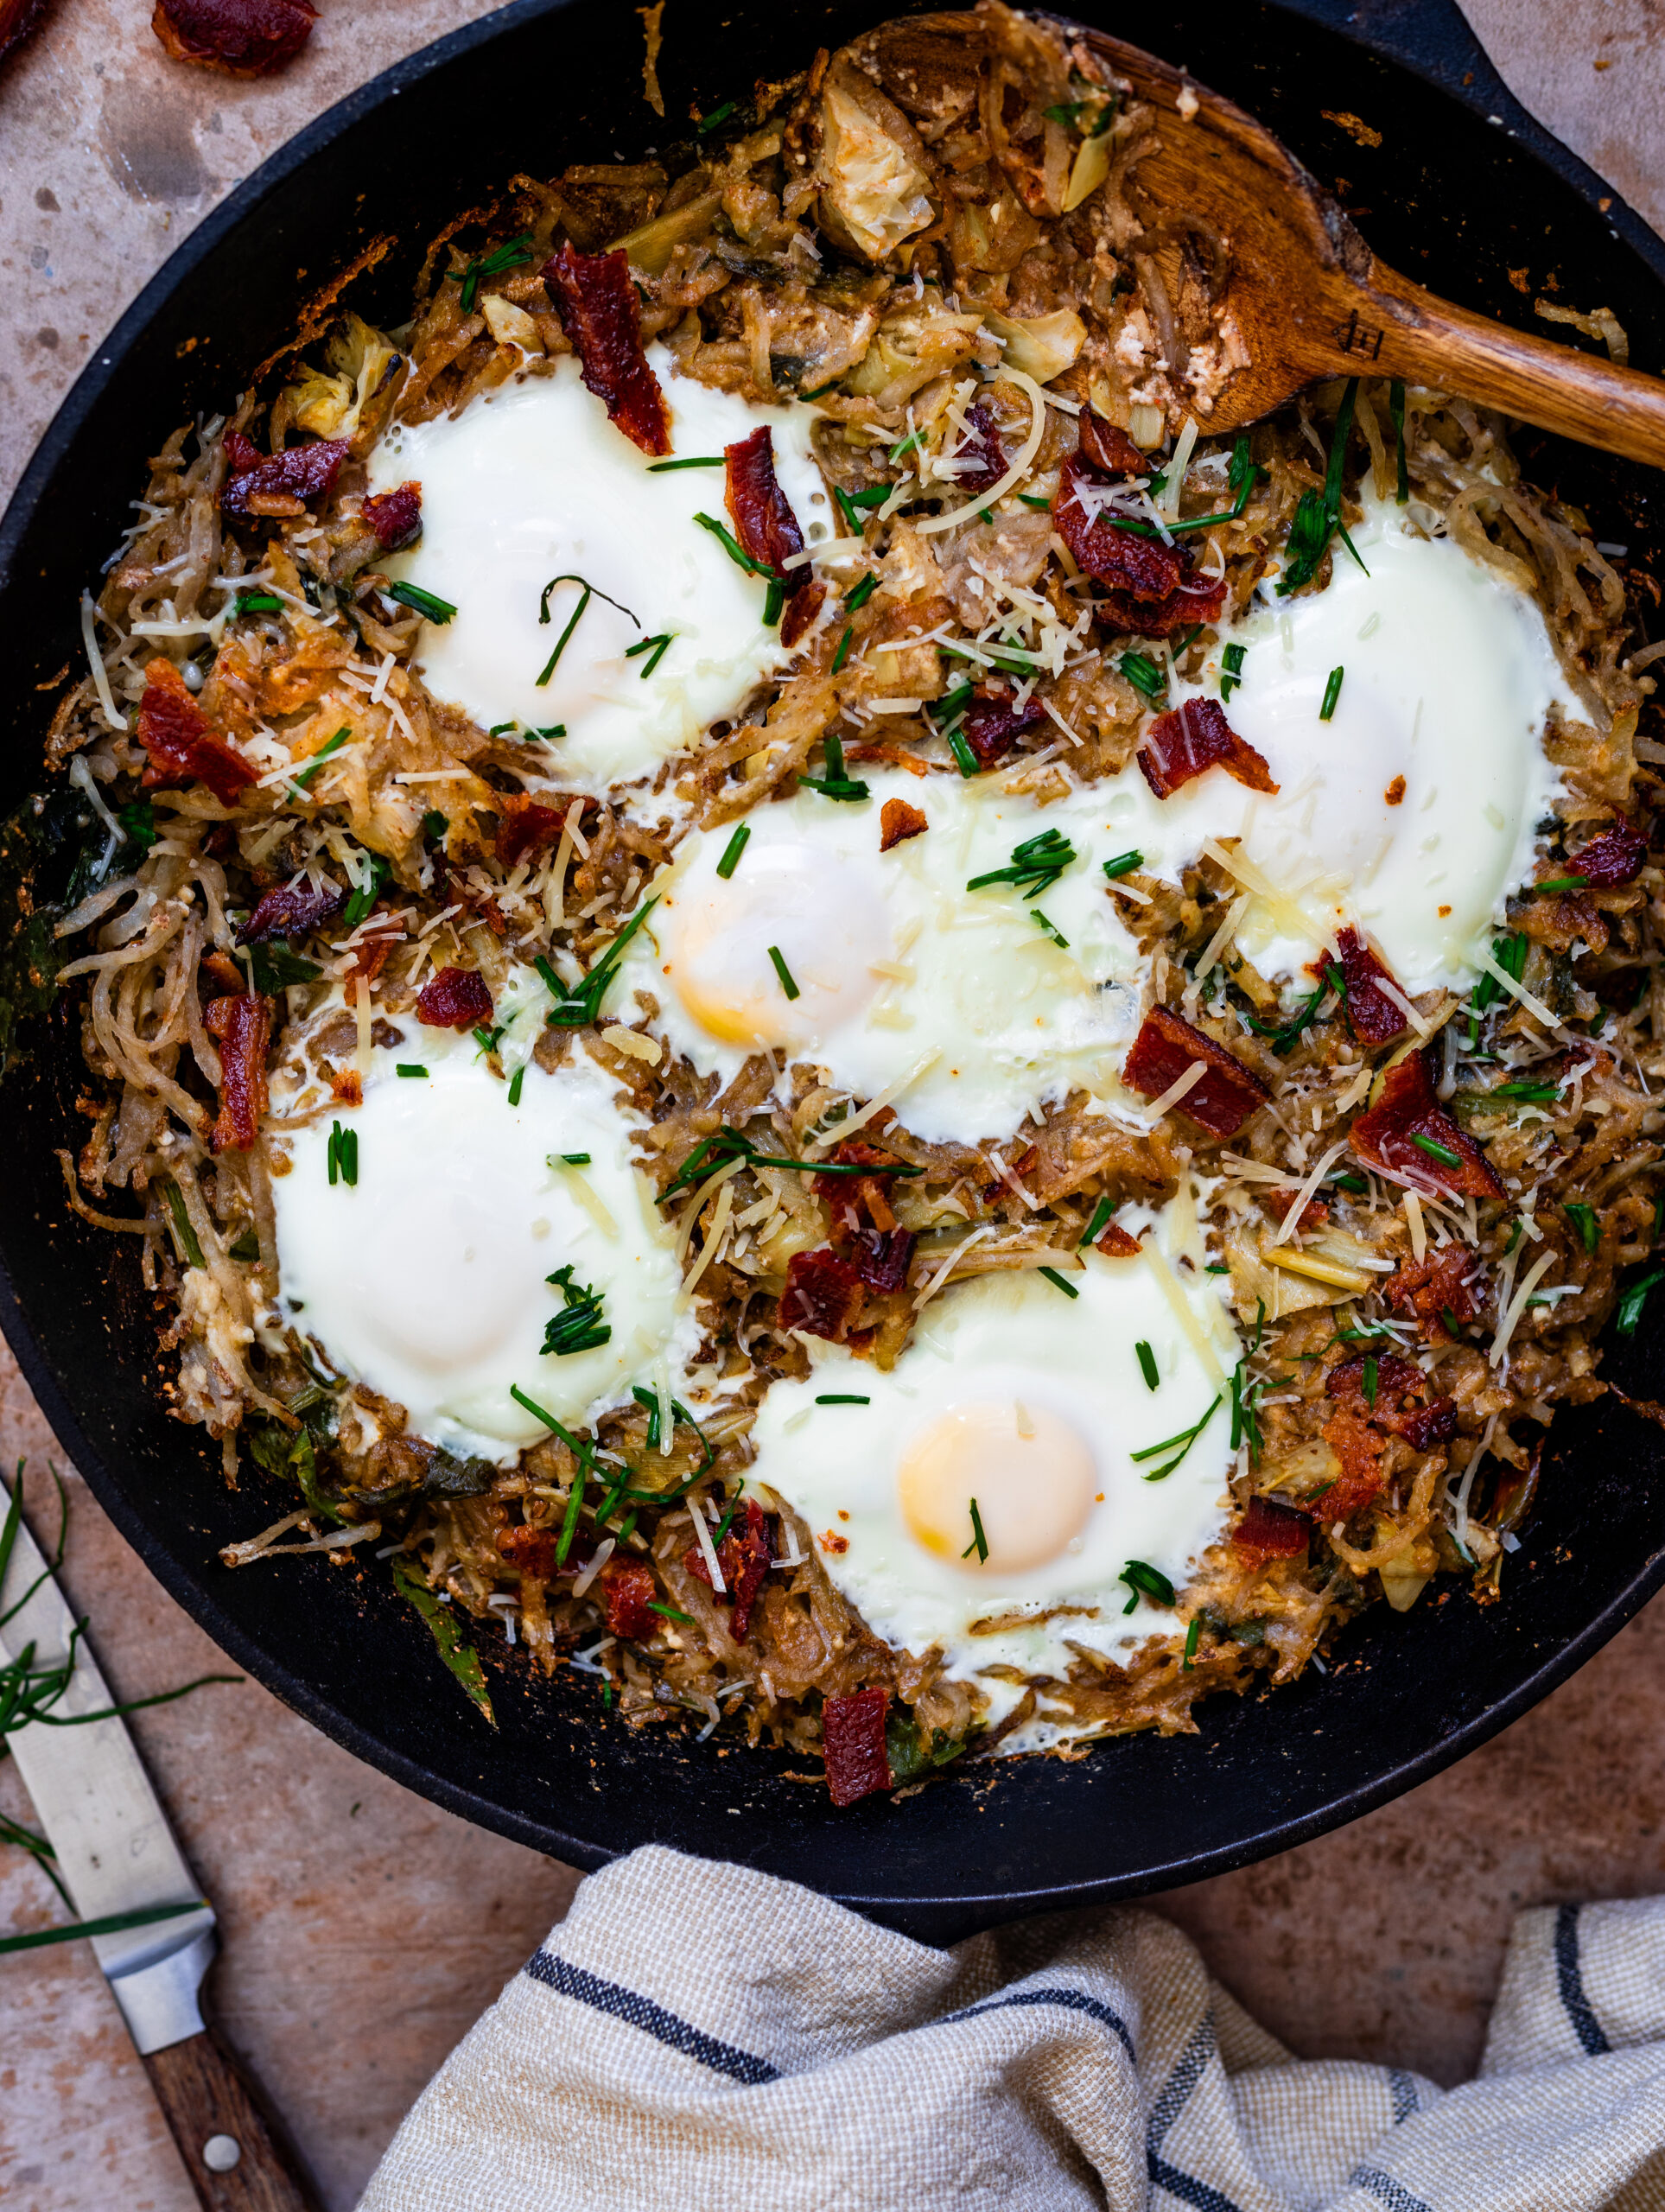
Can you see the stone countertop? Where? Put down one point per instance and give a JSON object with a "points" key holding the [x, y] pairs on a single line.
{"points": [[364, 1930]]}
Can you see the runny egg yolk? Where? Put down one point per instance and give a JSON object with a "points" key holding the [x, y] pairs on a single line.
{"points": [[1032, 1476], [816, 912]]}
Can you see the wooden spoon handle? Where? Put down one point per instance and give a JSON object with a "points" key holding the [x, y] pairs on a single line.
{"points": [[1389, 326], [235, 2155]]}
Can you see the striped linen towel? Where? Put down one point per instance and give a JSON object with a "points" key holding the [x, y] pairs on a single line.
{"points": [[698, 2038]]}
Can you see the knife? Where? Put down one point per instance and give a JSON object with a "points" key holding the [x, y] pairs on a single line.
{"points": [[116, 1853]]}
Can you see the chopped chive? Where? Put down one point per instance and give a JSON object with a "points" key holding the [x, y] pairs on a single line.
{"points": [[784, 972], [1356, 1183], [577, 1008], [1144, 1581], [709, 122], [303, 781], [952, 702], [487, 1039], [859, 596], [843, 1398], [1178, 1446], [668, 1611], [589, 593], [545, 735], [1145, 676], [1332, 693], [967, 759], [434, 822], [1435, 1150], [1232, 668], [342, 1155], [1050, 928], [822, 389], [1368, 1380], [258, 602], [731, 546], [1630, 1306], [1032, 500], [509, 256], [578, 1327], [1124, 864], [189, 1242], [1061, 1282], [694, 461], [515, 1081], [368, 892], [1193, 1637], [428, 604], [654, 647], [576, 1159], [1561, 883], [979, 1543], [732, 849], [726, 1144], [843, 651], [773, 599], [903, 447], [1217, 1267], [1148, 1365], [1097, 1226], [407, 1067], [1453, 1326], [1038, 862], [500, 729], [1397, 409], [1583, 1218]]}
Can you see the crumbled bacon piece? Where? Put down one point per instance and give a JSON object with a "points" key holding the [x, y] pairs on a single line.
{"points": [[1201, 598], [897, 820], [524, 827], [599, 310], [853, 1739], [1166, 1045], [370, 956], [1404, 1403], [275, 485], [882, 1257], [395, 516], [1117, 1244], [1268, 1530], [821, 1295], [1359, 1447], [242, 1026], [291, 909], [745, 1557], [1142, 569], [1386, 1138], [993, 725], [240, 38], [627, 1589], [1371, 1014], [1444, 1282], [1188, 742], [181, 741], [1616, 857], [980, 459], [763, 522], [456, 998], [1110, 450], [530, 1551]]}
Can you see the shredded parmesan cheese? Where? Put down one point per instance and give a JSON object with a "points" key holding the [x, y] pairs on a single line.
{"points": [[1517, 1305]]}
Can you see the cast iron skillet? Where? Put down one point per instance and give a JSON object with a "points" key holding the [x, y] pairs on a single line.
{"points": [[1451, 197]]}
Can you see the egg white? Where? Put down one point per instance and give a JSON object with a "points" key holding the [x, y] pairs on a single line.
{"points": [[988, 1018], [427, 1281], [1014, 1341], [532, 481], [1448, 681]]}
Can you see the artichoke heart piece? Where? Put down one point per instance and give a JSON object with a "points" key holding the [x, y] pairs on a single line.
{"points": [[649, 248], [331, 403], [911, 346], [875, 183], [1041, 346]]}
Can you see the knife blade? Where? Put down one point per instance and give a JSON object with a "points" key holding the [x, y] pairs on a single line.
{"points": [[115, 1852]]}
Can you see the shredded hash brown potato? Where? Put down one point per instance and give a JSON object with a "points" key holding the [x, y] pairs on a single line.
{"points": [[938, 233]]}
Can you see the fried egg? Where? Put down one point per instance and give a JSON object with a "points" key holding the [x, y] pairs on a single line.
{"points": [[1036, 1406], [427, 1277], [1411, 813], [972, 1008], [531, 483]]}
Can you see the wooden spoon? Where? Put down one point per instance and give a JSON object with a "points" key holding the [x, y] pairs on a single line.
{"points": [[1311, 299]]}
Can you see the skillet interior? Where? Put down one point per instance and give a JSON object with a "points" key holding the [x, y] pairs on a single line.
{"points": [[1451, 201]]}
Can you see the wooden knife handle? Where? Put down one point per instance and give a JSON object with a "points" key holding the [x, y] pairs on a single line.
{"points": [[210, 2105]]}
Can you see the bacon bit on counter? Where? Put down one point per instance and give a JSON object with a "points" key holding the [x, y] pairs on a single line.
{"points": [[1399, 1400], [1445, 1282], [273, 486], [993, 725], [1359, 1447], [1268, 1530], [1166, 1045], [524, 827], [456, 998], [981, 461], [745, 1557], [627, 1588], [853, 1740], [822, 1294], [1407, 1132], [1111, 450], [897, 820], [1616, 857], [767, 530], [597, 304], [396, 516], [1188, 742], [1371, 1014], [242, 1026], [180, 740], [291, 909], [240, 38]]}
